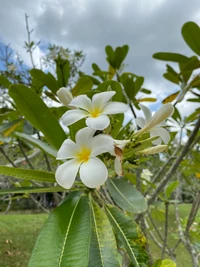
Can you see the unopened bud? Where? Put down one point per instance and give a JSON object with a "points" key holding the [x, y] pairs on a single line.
{"points": [[152, 150], [64, 96]]}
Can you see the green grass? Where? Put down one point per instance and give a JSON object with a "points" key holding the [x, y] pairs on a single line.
{"points": [[18, 233]]}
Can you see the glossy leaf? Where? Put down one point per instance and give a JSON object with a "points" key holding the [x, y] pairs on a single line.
{"points": [[174, 57], [129, 234], [191, 34], [4, 81], [24, 174], [38, 114], [63, 72], [171, 77], [83, 85], [65, 238], [29, 190], [103, 248], [47, 79], [147, 99], [126, 195], [114, 86], [38, 143], [170, 98]]}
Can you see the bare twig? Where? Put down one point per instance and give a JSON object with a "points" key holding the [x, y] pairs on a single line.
{"points": [[24, 154], [7, 157], [166, 228], [30, 50]]}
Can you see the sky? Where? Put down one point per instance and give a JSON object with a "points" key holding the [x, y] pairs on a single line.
{"points": [[147, 26]]}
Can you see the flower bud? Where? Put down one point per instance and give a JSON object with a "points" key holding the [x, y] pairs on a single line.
{"points": [[152, 150], [64, 96]]}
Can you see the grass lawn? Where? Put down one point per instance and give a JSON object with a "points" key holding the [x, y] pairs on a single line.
{"points": [[18, 233]]}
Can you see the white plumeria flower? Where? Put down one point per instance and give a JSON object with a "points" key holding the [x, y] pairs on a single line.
{"points": [[153, 124], [96, 110], [146, 174], [82, 155]]}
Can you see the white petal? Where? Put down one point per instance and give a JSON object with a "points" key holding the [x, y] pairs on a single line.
{"points": [[101, 143], [118, 166], [66, 173], [100, 99], [82, 101], [147, 112], [99, 123], [84, 136], [140, 122], [163, 133], [115, 108], [64, 95], [72, 116], [67, 150], [93, 173]]}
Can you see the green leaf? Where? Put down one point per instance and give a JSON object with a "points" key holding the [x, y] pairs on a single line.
{"points": [[38, 114], [46, 78], [63, 72], [174, 57], [194, 100], [120, 54], [127, 231], [146, 91], [103, 248], [170, 188], [116, 124], [4, 81], [138, 83], [6, 126], [171, 77], [38, 143], [29, 190], [115, 86], [126, 195], [83, 85], [24, 174], [191, 34], [65, 238], [110, 55]]}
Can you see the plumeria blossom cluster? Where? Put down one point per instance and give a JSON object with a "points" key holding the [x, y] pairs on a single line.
{"points": [[85, 155]]}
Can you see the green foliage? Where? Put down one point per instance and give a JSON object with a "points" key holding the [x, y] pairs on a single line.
{"points": [[191, 34], [130, 236], [30, 175], [67, 235], [126, 196], [37, 113]]}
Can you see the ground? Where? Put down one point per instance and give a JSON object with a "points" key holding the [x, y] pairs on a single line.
{"points": [[18, 233]]}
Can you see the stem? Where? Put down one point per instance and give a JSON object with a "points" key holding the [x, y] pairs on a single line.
{"points": [[7, 157], [24, 153], [29, 40], [45, 156], [166, 229]]}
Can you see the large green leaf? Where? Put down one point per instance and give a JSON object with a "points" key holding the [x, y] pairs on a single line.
{"points": [[126, 196], [103, 248], [191, 34], [128, 233], [38, 114], [38, 143], [65, 238], [114, 86], [63, 72], [174, 57], [29, 189], [31, 175]]}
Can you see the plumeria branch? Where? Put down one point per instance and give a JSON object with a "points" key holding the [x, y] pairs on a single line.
{"points": [[175, 165]]}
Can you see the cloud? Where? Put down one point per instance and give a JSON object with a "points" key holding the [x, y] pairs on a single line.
{"points": [[146, 26]]}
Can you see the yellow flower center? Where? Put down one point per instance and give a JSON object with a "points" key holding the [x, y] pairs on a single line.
{"points": [[95, 112], [84, 154]]}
